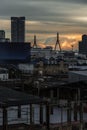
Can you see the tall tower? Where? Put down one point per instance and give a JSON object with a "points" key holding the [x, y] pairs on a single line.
{"points": [[83, 45], [18, 29], [35, 42], [57, 42]]}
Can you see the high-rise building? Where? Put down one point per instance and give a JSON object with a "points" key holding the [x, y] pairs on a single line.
{"points": [[18, 29], [2, 34], [83, 45], [2, 37]]}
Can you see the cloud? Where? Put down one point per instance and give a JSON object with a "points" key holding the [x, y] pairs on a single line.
{"points": [[66, 41], [76, 1], [48, 10], [73, 1], [46, 17]]}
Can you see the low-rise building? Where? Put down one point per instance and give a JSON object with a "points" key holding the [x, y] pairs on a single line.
{"points": [[55, 69], [52, 69], [26, 68]]}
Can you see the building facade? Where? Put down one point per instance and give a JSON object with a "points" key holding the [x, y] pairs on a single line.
{"points": [[18, 29], [14, 53]]}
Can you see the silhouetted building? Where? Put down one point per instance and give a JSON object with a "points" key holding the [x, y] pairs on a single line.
{"points": [[17, 29], [2, 37], [83, 45], [14, 53], [2, 34]]}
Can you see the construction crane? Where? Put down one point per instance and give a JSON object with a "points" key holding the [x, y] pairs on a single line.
{"points": [[35, 42], [57, 43]]}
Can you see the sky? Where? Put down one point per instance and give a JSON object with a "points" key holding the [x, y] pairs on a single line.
{"points": [[44, 18]]}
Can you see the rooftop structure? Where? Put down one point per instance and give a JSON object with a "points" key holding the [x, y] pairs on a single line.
{"points": [[10, 98]]}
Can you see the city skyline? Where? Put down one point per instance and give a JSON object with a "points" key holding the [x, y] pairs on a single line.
{"points": [[46, 18]]}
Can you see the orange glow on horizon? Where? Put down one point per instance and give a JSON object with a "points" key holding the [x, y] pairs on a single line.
{"points": [[48, 39], [66, 40]]}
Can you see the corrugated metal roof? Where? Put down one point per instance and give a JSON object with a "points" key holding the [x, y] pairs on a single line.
{"points": [[84, 73]]}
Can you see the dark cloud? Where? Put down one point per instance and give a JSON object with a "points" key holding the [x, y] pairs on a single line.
{"points": [[62, 15], [36, 9], [41, 10], [76, 1]]}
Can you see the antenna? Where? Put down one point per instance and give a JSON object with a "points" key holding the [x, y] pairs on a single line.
{"points": [[57, 42], [35, 43]]}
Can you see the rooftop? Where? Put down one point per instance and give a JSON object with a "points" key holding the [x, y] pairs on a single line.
{"points": [[79, 72]]}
